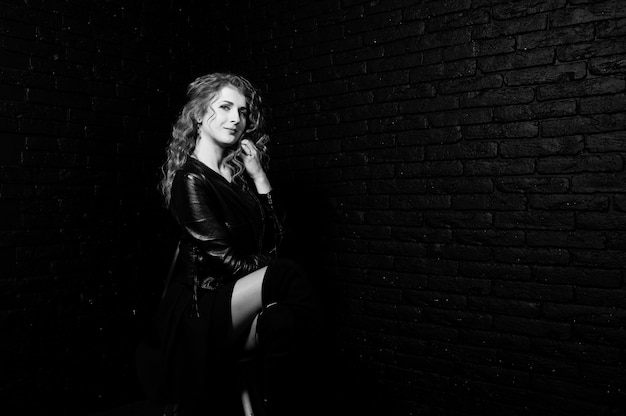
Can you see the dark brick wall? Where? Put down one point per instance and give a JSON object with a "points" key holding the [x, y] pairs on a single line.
{"points": [[87, 95], [455, 170], [465, 162]]}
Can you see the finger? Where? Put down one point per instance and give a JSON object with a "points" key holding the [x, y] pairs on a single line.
{"points": [[246, 147]]}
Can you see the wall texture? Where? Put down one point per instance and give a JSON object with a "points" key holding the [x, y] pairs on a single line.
{"points": [[455, 168], [87, 90], [468, 156]]}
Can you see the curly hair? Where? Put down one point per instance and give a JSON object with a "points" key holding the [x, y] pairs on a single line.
{"points": [[201, 93]]}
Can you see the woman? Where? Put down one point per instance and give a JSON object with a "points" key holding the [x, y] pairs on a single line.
{"points": [[230, 294]]}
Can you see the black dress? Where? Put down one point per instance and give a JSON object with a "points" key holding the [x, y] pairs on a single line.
{"points": [[227, 232]]}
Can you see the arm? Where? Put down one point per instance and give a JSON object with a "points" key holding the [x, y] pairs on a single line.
{"points": [[194, 205], [269, 200]]}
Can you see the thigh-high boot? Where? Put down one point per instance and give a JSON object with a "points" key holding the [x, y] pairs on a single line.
{"points": [[286, 330]]}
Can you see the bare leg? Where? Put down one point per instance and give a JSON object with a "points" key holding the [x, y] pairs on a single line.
{"points": [[245, 304]]}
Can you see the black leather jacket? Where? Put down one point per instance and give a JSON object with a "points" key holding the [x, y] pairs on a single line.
{"points": [[228, 231]]}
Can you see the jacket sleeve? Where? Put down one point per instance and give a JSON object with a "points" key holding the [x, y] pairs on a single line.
{"points": [[194, 206], [274, 209]]}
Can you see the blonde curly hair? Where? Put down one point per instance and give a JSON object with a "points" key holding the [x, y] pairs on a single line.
{"points": [[200, 94]]}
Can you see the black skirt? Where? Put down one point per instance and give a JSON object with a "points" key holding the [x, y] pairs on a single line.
{"points": [[197, 354]]}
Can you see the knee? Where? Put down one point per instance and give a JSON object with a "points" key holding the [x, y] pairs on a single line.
{"points": [[274, 323]]}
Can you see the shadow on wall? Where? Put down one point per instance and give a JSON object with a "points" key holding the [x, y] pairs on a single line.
{"points": [[338, 387]]}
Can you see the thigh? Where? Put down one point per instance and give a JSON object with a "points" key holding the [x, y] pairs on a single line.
{"points": [[246, 300]]}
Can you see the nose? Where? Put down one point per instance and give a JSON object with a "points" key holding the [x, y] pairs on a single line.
{"points": [[235, 117]]}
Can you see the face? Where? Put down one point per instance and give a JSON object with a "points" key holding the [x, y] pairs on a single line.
{"points": [[225, 121]]}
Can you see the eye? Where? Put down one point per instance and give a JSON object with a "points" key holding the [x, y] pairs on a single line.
{"points": [[225, 107]]}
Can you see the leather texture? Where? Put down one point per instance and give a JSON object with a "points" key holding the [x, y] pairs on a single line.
{"points": [[228, 231]]}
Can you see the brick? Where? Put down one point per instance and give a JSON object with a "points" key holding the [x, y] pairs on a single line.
{"points": [[430, 136], [479, 48], [496, 201], [519, 59], [420, 202], [470, 84], [611, 65], [364, 172], [490, 238], [459, 19], [463, 252], [420, 234], [372, 22], [367, 112], [499, 97], [542, 75], [554, 256], [428, 104], [429, 169], [424, 265], [443, 71], [588, 124], [356, 128], [399, 123], [403, 92], [611, 28], [606, 142], [533, 291], [524, 8], [461, 117], [616, 240], [459, 220], [573, 164], [555, 37], [407, 30], [533, 327], [608, 104], [551, 109], [591, 49], [594, 86], [397, 186], [578, 276], [600, 335], [407, 60], [531, 185], [450, 186], [540, 363], [358, 55], [516, 166], [601, 182], [579, 239], [381, 79], [603, 10], [436, 8], [440, 39], [535, 220], [542, 147], [394, 218], [498, 131], [605, 298], [601, 221], [510, 27], [505, 306], [494, 339], [397, 154], [462, 151], [569, 202]]}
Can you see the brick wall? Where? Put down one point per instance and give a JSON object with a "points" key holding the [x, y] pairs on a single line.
{"points": [[87, 90], [464, 161], [455, 169]]}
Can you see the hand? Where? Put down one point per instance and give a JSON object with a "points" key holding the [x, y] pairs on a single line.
{"points": [[254, 167]]}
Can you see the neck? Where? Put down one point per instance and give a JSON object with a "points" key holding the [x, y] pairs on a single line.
{"points": [[212, 156]]}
